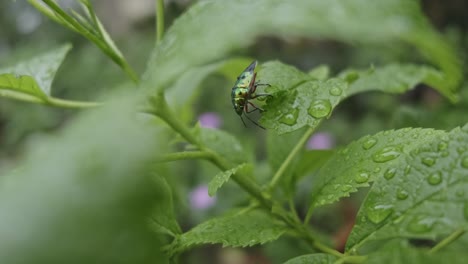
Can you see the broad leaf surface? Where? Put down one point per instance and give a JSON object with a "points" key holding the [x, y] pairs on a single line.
{"points": [[33, 77], [221, 178], [313, 258], [194, 40], [83, 188], [299, 99], [426, 196], [365, 160], [402, 252], [223, 143], [238, 229]]}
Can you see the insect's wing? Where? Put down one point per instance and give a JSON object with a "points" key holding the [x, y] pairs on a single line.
{"points": [[251, 67]]}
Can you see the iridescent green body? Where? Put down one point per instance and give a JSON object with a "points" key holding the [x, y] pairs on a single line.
{"points": [[244, 90]]}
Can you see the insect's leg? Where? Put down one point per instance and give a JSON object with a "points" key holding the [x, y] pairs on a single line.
{"points": [[243, 121], [262, 84], [260, 95], [254, 106], [254, 122]]}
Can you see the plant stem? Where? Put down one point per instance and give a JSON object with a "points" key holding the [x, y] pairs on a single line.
{"points": [[454, 236], [51, 101], [185, 156], [161, 109], [159, 20], [282, 169]]}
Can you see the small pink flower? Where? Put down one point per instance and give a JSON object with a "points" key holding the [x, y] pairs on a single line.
{"points": [[321, 140], [199, 198], [210, 120]]}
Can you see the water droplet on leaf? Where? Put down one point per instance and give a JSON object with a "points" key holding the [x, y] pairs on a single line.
{"points": [[420, 224], [428, 161], [361, 177], [402, 195], [379, 213], [369, 143], [389, 173], [442, 145], [386, 154], [460, 193], [320, 108], [435, 178], [464, 162], [290, 118], [336, 91], [346, 188]]}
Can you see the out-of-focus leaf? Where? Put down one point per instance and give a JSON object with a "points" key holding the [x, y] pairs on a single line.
{"points": [[352, 21], [237, 229], [33, 77], [163, 212], [425, 196], [85, 195], [223, 143], [313, 258]]}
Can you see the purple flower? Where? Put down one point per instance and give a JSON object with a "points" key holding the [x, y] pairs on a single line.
{"points": [[321, 140], [199, 198], [210, 120]]}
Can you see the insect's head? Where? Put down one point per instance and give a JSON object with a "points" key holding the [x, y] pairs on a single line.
{"points": [[238, 108]]}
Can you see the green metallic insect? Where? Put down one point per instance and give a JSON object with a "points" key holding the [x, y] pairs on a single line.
{"points": [[244, 90]]}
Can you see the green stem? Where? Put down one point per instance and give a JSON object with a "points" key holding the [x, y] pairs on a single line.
{"points": [[161, 109], [71, 23], [454, 236], [351, 259], [159, 20], [185, 156], [282, 169], [51, 101]]}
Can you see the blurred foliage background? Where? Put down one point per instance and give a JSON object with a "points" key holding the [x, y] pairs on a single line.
{"points": [[88, 75]]}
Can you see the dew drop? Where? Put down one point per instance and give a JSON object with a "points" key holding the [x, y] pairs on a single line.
{"points": [[464, 162], [428, 161], [320, 108], [442, 146], [377, 169], [379, 213], [460, 193], [420, 224], [368, 144], [402, 195], [361, 177], [386, 154], [407, 169], [290, 118], [346, 188], [444, 154], [435, 178], [336, 91], [389, 173]]}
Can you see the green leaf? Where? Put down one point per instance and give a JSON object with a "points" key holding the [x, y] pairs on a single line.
{"points": [[223, 143], [33, 77], [163, 217], [365, 160], [312, 160], [221, 178], [401, 252], [426, 196], [352, 21], [300, 99], [313, 258], [393, 78], [82, 189], [297, 99], [237, 229]]}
